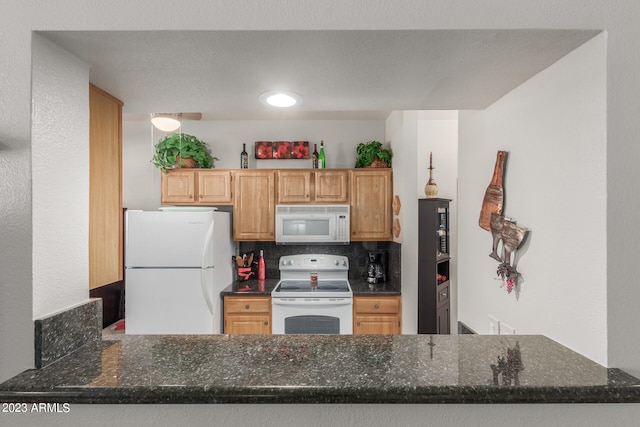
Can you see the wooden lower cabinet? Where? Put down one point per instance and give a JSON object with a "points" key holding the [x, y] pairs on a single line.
{"points": [[377, 315], [247, 315]]}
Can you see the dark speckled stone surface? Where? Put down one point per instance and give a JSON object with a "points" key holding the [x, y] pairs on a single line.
{"points": [[355, 251], [250, 287], [323, 369], [63, 333], [359, 287]]}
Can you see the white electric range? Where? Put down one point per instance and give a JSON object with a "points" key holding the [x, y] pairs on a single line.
{"points": [[299, 307]]}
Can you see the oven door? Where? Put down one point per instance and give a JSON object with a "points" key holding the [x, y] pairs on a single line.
{"points": [[311, 315]]}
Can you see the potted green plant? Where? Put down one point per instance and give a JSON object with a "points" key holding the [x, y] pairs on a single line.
{"points": [[371, 154], [181, 150]]}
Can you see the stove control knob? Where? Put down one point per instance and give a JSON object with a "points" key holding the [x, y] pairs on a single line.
{"points": [[344, 262], [336, 262]]}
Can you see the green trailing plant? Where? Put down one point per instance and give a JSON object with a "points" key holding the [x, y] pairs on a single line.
{"points": [[370, 151], [174, 147]]}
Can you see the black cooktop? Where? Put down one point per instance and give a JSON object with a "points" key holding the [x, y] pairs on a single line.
{"points": [[305, 286]]}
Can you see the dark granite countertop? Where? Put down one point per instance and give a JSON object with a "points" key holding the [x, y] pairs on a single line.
{"points": [[323, 369], [250, 287], [360, 287]]}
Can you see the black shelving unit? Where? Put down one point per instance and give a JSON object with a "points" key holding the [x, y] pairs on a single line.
{"points": [[434, 270]]}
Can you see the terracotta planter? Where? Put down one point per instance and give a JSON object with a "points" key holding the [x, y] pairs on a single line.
{"points": [[377, 163], [189, 162]]}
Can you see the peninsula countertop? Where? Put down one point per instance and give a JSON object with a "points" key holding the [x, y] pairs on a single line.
{"points": [[323, 369]]}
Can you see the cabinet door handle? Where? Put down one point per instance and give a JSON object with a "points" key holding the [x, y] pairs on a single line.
{"points": [[358, 324], [376, 306], [246, 307], [266, 323]]}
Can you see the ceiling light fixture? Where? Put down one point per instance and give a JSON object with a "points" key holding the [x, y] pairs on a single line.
{"points": [[280, 99], [166, 122]]}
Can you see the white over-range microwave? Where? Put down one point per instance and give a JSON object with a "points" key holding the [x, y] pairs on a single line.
{"points": [[312, 224]]}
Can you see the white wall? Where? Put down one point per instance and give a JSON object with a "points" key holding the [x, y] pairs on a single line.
{"points": [[21, 17], [16, 277], [141, 180], [438, 134], [401, 133], [554, 128], [60, 162], [412, 136]]}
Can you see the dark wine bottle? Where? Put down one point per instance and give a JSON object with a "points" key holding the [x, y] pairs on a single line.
{"points": [[244, 157], [314, 157]]}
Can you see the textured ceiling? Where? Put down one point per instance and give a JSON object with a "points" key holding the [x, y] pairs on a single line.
{"points": [[340, 74]]}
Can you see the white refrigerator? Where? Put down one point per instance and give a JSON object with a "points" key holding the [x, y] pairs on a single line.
{"points": [[176, 264]]}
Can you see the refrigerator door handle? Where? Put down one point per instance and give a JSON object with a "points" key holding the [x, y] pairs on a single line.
{"points": [[203, 276], [208, 245], [205, 293]]}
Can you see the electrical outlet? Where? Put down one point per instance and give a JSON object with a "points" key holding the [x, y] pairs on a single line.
{"points": [[494, 326], [506, 330]]}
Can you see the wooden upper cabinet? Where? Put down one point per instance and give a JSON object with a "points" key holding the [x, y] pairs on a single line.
{"points": [[178, 187], [105, 189], [371, 194], [313, 186], [254, 205], [331, 186], [214, 187], [205, 187], [294, 186]]}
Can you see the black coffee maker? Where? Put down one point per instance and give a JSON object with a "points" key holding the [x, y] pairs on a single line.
{"points": [[377, 267]]}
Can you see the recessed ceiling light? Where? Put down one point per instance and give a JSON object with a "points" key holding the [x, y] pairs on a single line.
{"points": [[280, 99]]}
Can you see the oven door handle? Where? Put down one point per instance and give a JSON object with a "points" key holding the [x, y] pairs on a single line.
{"points": [[329, 302]]}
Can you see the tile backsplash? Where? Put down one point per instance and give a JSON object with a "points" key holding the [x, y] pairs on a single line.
{"points": [[355, 251]]}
